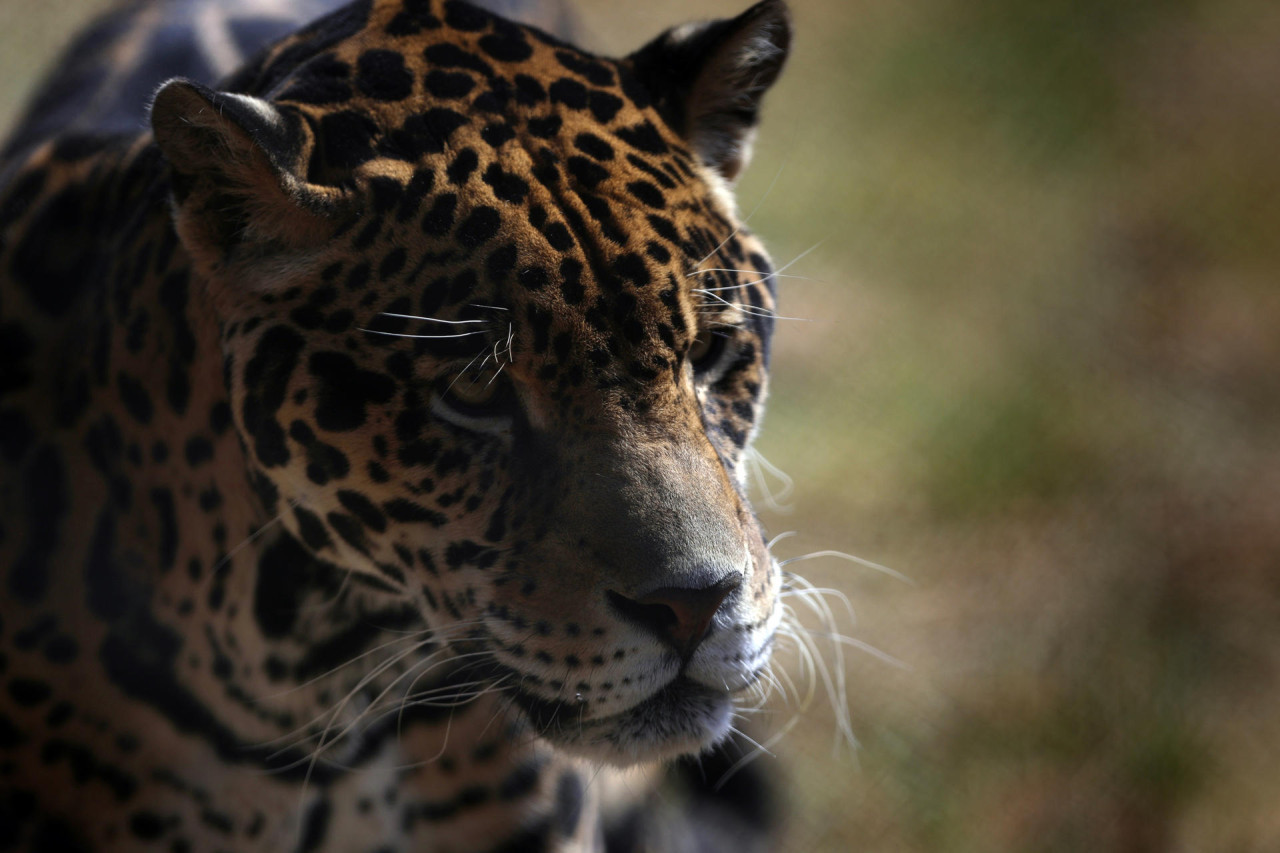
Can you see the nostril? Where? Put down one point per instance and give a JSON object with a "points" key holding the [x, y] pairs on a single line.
{"points": [[677, 615], [657, 618]]}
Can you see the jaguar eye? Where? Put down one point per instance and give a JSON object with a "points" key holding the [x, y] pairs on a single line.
{"points": [[473, 393], [706, 350], [480, 401]]}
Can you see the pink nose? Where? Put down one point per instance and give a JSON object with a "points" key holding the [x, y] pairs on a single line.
{"points": [[678, 616]]}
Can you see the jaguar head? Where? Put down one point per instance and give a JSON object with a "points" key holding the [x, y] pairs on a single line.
{"points": [[496, 339]]}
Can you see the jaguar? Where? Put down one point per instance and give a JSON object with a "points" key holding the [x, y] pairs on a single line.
{"points": [[376, 396]]}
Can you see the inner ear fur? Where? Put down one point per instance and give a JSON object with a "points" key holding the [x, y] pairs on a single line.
{"points": [[233, 173], [708, 80]]}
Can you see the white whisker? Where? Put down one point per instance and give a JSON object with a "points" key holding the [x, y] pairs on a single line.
{"points": [[425, 337], [430, 319], [851, 558]]}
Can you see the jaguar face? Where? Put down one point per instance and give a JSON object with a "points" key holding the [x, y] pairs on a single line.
{"points": [[496, 340]]}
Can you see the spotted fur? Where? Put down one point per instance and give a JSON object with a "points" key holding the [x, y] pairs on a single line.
{"points": [[372, 433]]}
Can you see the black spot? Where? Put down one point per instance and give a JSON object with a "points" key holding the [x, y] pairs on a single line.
{"points": [[312, 529], [631, 267], [345, 141], [533, 278], [479, 226], [546, 127], [16, 434], [586, 172], [657, 251], [266, 378], [210, 499], [326, 82], [644, 137], [45, 497], [349, 529], [596, 72], [520, 782], [324, 461], [285, 575], [198, 450], [220, 417], [414, 17], [466, 552], [162, 499], [61, 649], [438, 220], [136, 335], [558, 236], [59, 714], [54, 836], [449, 55], [448, 84], [539, 320], [464, 16], [146, 825], [647, 193], [568, 803], [358, 277], [506, 45], [427, 133], [408, 512], [593, 146], [664, 228], [602, 213], [383, 191], [381, 74], [109, 590], [506, 186], [501, 262], [134, 396], [362, 508], [497, 524], [178, 389], [569, 92], [392, 263], [343, 390], [462, 166], [658, 175], [315, 827], [603, 105], [497, 133], [53, 261], [173, 298], [29, 692], [414, 193]]}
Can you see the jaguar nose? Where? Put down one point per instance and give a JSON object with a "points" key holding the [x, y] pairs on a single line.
{"points": [[678, 616]]}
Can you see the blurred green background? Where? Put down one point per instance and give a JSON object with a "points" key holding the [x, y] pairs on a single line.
{"points": [[1040, 377]]}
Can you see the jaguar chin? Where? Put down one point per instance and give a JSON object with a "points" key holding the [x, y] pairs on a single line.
{"points": [[680, 718]]}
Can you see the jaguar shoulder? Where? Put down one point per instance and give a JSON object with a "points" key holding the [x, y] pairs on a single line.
{"points": [[372, 436]]}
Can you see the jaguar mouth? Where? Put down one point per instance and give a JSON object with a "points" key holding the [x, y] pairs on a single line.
{"points": [[681, 718]]}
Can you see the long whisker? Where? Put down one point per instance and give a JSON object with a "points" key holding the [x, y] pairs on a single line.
{"points": [[292, 502], [425, 337], [744, 222], [751, 309], [431, 319], [751, 272], [761, 749], [893, 573]]}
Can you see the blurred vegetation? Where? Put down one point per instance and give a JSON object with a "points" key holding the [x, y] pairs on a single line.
{"points": [[1042, 380]]}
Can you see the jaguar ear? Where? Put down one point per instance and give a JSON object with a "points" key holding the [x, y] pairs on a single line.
{"points": [[707, 79], [235, 180]]}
